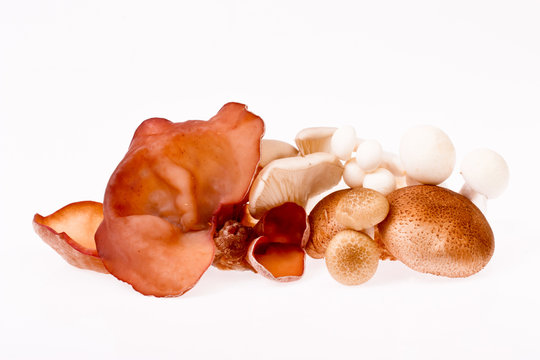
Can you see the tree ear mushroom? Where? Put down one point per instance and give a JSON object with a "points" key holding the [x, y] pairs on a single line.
{"points": [[437, 231]]}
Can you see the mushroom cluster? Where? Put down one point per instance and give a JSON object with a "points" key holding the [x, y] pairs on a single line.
{"points": [[196, 193]]}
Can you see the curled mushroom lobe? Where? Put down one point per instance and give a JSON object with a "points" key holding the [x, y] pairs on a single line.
{"points": [[163, 202], [278, 250]]}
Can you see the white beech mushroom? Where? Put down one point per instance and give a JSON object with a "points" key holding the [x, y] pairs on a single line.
{"points": [[353, 174], [381, 180], [369, 155], [427, 154], [314, 139], [293, 179], [343, 142], [486, 176]]}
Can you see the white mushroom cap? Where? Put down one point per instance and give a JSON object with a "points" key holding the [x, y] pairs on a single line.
{"points": [[343, 142], [293, 179], [353, 175], [275, 149], [485, 172], [314, 139], [427, 154], [381, 180], [369, 155]]}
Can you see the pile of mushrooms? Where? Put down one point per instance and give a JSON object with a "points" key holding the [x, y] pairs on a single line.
{"points": [[189, 195]]}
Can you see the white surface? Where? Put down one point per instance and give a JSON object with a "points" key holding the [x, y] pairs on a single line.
{"points": [[76, 78]]}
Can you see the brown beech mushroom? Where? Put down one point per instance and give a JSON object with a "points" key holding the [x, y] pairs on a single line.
{"points": [[437, 231], [361, 209], [70, 232], [352, 257], [323, 224], [293, 179]]}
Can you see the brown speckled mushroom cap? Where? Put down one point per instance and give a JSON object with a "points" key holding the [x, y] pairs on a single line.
{"points": [[437, 231]]}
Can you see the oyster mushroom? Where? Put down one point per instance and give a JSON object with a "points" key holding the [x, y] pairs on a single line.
{"points": [[314, 139], [437, 231], [294, 179], [275, 149]]}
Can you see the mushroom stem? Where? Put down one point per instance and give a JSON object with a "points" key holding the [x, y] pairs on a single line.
{"points": [[480, 200], [370, 232]]}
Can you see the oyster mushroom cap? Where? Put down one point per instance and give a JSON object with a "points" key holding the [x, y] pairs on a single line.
{"points": [[314, 139], [352, 257], [427, 154], [361, 208], [275, 149], [293, 179], [437, 231]]}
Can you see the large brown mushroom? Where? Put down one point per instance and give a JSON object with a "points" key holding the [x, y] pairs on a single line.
{"points": [[437, 231]]}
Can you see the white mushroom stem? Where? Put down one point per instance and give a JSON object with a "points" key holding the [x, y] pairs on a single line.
{"points": [[476, 198], [370, 232], [392, 162]]}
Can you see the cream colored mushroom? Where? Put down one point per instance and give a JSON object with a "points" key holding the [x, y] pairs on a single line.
{"points": [[486, 176], [293, 179], [343, 142], [353, 174], [427, 154], [315, 139], [369, 155], [275, 149], [381, 180]]}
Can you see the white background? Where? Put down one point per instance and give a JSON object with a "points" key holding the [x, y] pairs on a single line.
{"points": [[77, 77]]}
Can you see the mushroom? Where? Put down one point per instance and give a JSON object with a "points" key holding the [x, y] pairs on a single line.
{"points": [[427, 154], [369, 155], [381, 180], [343, 142], [323, 224], [70, 232], [486, 176], [294, 179], [361, 209], [435, 230], [352, 257], [314, 139], [353, 174], [275, 149]]}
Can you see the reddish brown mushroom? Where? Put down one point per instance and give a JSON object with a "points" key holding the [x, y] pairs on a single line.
{"points": [[164, 198], [70, 232], [435, 230]]}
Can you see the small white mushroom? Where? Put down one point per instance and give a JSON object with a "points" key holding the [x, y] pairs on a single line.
{"points": [[427, 154], [486, 176], [381, 180], [391, 161], [369, 155], [275, 149], [314, 139], [343, 142], [353, 175]]}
